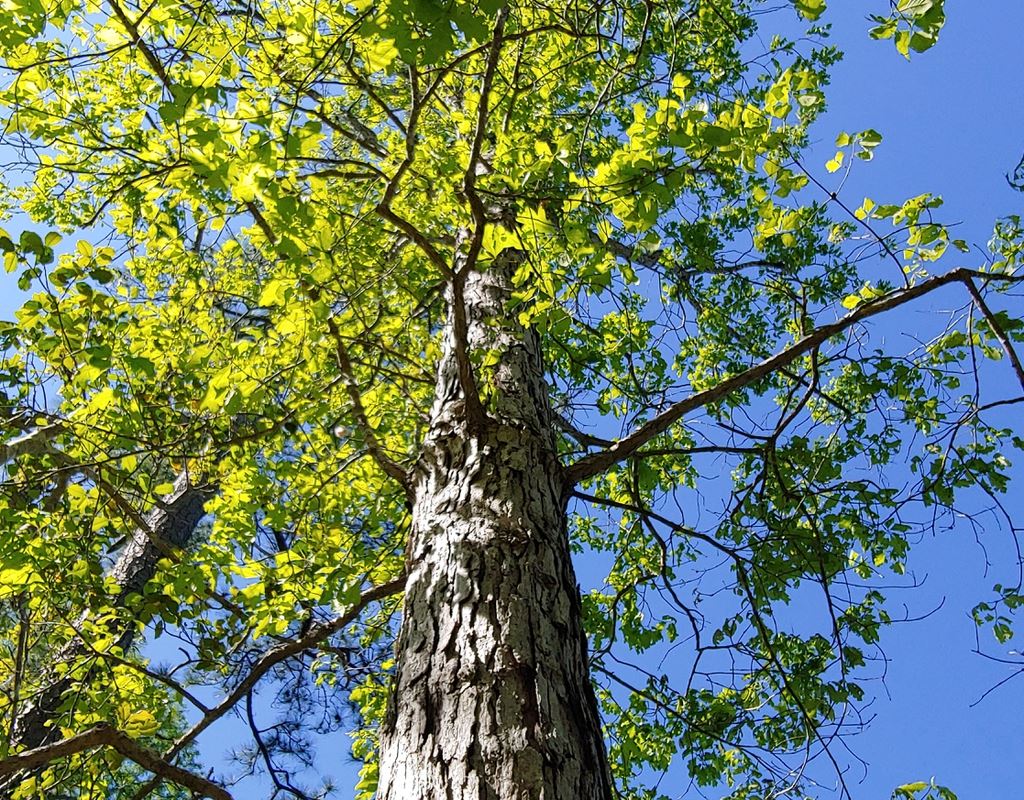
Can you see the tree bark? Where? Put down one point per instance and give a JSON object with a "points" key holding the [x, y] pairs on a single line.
{"points": [[170, 527], [492, 697]]}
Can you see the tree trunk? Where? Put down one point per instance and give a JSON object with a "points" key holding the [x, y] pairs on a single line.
{"points": [[171, 526], [492, 697]]}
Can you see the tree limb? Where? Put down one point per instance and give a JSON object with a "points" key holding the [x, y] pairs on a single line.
{"points": [[107, 736], [469, 192], [147, 53], [997, 329], [168, 526], [594, 464], [274, 656]]}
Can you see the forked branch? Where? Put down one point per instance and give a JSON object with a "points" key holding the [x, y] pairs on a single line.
{"points": [[597, 463]]}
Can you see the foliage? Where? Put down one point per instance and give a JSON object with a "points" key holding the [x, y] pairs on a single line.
{"points": [[253, 209], [921, 790], [912, 24]]}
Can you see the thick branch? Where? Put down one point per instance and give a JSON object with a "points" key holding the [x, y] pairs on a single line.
{"points": [[598, 462], [166, 528], [475, 412], [106, 736], [34, 442]]}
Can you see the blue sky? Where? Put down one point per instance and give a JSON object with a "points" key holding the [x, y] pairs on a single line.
{"points": [[952, 122]]}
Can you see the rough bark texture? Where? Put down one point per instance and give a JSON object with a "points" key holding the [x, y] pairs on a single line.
{"points": [[492, 697], [171, 526]]}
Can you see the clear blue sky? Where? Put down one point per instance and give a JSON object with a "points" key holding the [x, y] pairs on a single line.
{"points": [[952, 121], [953, 124]]}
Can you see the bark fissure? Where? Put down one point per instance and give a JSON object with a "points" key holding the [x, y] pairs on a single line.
{"points": [[492, 695]]}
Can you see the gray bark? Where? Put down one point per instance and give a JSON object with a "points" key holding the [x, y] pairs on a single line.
{"points": [[492, 697], [170, 527]]}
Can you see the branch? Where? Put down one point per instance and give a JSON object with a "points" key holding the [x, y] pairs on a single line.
{"points": [[417, 237], [168, 526], [675, 527], [475, 413], [653, 258], [384, 208], [359, 133], [139, 42], [106, 736], [469, 179], [597, 463], [31, 442], [369, 434], [997, 329], [268, 661], [626, 252], [585, 439], [261, 221]]}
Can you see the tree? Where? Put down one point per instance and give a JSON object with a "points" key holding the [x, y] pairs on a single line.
{"points": [[377, 312]]}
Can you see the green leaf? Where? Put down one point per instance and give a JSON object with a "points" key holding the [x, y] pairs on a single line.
{"points": [[379, 55], [30, 242], [716, 135], [870, 138], [810, 9], [275, 293]]}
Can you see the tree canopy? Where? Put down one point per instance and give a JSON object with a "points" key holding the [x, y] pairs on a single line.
{"points": [[279, 253]]}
